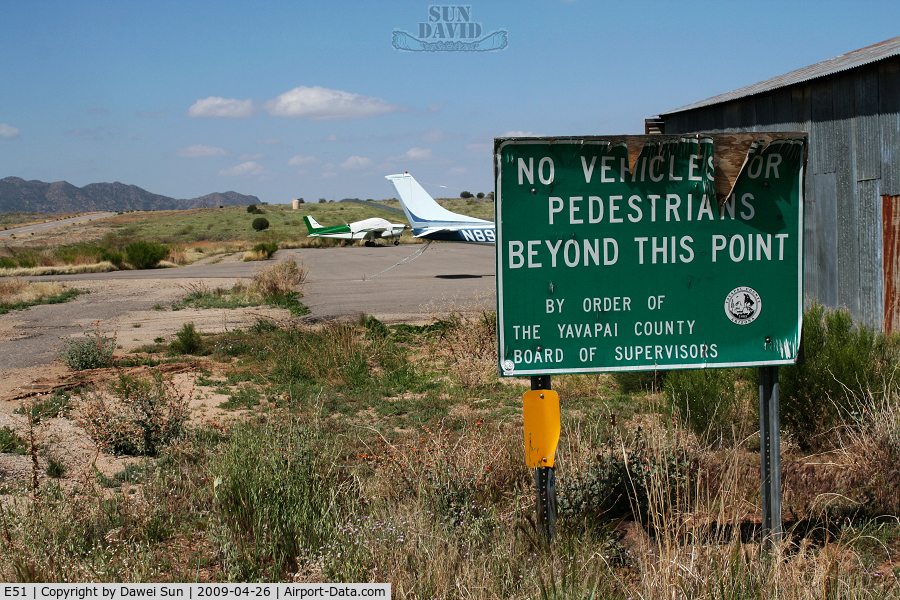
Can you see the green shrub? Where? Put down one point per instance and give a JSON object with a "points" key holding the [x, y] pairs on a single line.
{"points": [[266, 249], [55, 467], [707, 401], [7, 263], [10, 443], [639, 381], [27, 258], [187, 340], [93, 351], [145, 255], [79, 253], [134, 417], [842, 360], [113, 256], [260, 223]]}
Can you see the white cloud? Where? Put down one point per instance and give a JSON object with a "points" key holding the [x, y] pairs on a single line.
{"points": [[8, 131], [479, 147], [216, 106], [436, 108], [197, 151], [412, 154], [356, 162], [251, 156], [457, 171], [332, 138], [300, 160], [322, 104], [520, 134], [243, 169]]}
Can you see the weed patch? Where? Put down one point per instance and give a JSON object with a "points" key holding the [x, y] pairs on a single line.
{"points": [[92, 351], [134, 417]]}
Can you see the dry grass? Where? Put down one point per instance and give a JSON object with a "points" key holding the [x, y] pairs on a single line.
{"points": [[14, 291], [252, 255], [280, 279], [468, 344], [177, 256], [102, 267]]}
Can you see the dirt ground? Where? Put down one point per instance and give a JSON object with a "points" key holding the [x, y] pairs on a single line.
{"points": [[109, 302]]}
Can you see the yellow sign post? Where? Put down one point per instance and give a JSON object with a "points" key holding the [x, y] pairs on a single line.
{"points": [[542, 427]]}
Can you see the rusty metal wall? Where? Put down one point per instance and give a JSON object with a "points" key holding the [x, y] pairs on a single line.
{"points": [[853, 121], [890, 209]]}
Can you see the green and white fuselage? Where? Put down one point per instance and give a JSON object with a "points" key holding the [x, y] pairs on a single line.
{"points": [[368, 230]]}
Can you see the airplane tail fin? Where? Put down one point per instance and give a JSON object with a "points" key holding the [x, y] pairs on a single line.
{"points": [[421, 209], [311, 224]]}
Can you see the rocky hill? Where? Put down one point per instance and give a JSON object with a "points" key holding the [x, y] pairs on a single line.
{"points": [[18, 195]]}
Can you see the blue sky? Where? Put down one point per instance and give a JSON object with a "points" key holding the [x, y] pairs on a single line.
{"points": [[310, 99]]}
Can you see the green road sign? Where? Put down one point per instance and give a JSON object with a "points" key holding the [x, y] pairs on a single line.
{"points": [[616, 261]]}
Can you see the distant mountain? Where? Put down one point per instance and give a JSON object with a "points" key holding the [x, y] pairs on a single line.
{"points": [[18, 195]]}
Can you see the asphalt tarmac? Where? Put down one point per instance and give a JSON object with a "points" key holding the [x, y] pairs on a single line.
{"points": [[406, 283], [354, 280]]}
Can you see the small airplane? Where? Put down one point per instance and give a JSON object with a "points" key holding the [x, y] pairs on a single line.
{"points": [[367, 229], [431, 221]]}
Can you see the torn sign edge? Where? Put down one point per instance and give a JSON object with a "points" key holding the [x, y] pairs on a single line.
{"points": [[732, 152]]}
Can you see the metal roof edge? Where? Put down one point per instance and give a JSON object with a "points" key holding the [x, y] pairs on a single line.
{"points": [[844, 62]]}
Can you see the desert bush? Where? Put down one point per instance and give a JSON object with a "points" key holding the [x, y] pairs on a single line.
{"points": [[262, 251], [145, 255], [624, 478], [842, 361], [134, 417], [187, 340], [92, 351], [281, 279], [708, 401], [260, 223]]}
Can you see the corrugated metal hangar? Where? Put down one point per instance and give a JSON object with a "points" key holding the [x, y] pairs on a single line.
{"points": [[850, 107]]}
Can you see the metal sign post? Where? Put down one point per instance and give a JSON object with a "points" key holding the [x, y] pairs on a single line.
{"points": [[770, 455]]}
